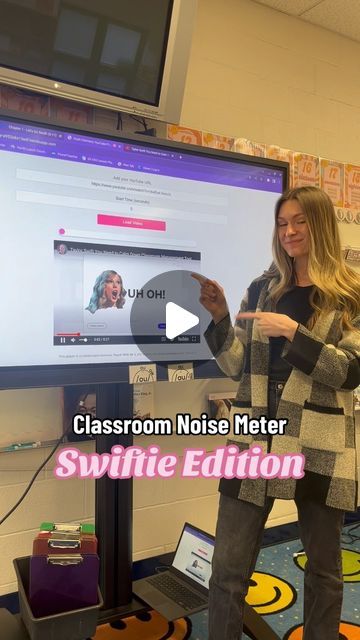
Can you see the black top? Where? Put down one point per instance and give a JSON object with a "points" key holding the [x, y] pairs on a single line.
{"points": [[295, 303]]}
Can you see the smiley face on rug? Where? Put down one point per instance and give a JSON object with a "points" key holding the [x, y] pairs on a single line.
{"points": [[348, 631], [269, 594], [149, 625], [350, 564]]}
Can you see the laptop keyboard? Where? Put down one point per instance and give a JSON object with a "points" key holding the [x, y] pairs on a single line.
{"points": [[176, 591]]}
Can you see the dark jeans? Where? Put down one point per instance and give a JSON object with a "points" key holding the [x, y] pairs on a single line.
{"points": [[239, 535]]}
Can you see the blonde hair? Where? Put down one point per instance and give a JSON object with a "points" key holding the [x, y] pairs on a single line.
{"points": [[337, 286]]}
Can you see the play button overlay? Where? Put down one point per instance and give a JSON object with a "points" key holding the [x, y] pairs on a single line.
{"points": [[178, 320], [167, 320]]}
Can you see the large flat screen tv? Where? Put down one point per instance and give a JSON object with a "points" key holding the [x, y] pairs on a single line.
{"points": [[126, 55], [76, 205]]}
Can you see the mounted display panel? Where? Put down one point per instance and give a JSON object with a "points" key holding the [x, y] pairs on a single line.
{"points": [[87, 220], [125, 55]]}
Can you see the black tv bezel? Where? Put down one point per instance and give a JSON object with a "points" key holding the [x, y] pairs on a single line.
{"points": [[25, 377]]}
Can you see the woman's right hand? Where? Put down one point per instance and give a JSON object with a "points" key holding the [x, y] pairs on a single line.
{"points": [[212, 297]]}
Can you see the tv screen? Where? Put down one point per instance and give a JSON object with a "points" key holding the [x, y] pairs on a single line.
{"points": [[89, 220], [122, 54]]}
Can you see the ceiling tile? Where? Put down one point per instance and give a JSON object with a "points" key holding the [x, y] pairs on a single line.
{"points": [[341, 16], [291, 8]]}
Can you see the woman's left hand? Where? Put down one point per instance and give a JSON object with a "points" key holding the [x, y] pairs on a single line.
{"points": [[272, 325]]}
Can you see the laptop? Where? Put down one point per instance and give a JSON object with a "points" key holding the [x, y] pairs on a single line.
{"points": [[184, 588]]}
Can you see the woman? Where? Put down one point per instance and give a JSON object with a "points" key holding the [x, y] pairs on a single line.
{"points": [[296, 353], [108, 292]]}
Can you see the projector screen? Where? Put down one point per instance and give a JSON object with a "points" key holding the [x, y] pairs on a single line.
{"points": [[79, 208]]}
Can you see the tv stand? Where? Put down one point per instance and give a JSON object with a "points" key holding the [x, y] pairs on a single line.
{"points": [[114, 520], [114, 505]]}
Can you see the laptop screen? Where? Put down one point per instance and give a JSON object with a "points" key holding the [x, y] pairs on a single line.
{"points": [[194, 554]]}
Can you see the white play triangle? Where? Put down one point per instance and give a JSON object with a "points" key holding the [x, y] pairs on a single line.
{"points": [[178, 320]]}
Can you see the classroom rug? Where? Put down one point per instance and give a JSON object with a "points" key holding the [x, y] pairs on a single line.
{"points": [[146, 626], [276, 589], [276, 592]]}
